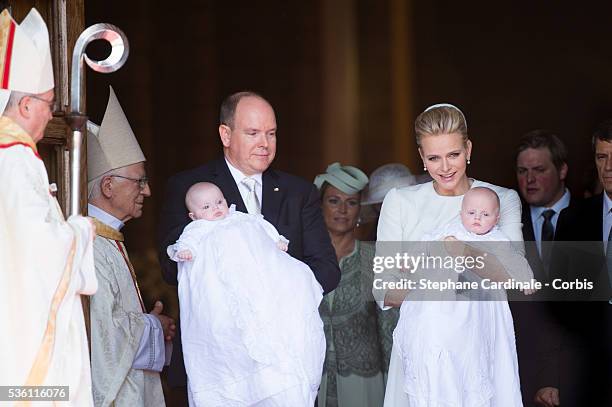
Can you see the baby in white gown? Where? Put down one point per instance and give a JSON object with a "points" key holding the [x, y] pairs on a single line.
{"points": [[469, 356], [250, 325], [476, 221]]}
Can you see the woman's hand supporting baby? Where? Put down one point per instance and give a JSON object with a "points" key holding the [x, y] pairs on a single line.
{"points": [[494, 271]]}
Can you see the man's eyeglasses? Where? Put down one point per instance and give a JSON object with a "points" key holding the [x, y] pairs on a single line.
{"points": [[142, 182], [49, 103]]}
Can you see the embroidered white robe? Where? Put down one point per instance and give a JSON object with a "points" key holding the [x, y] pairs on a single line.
{"points": [[45, 266], [117, 325]]}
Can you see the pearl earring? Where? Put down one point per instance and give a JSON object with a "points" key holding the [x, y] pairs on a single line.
{"points": [[468, 161], [424, 167]]}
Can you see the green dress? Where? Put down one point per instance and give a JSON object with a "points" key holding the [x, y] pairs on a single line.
{"points": [[359, 336]]}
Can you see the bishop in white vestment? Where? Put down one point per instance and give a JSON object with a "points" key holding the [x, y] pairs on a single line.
{"points": [[127, 343], [46, 262]]}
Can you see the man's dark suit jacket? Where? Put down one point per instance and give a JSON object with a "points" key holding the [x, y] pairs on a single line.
{"points": [[531, 249], [537, 336], [290, 203], [585, 260], [585, 317]]}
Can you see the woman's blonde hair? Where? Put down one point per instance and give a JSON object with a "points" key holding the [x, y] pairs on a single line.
{"points": [[440, 119]]}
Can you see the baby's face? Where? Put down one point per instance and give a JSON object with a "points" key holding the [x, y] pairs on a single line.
{"points": [[209, 204], [479, 212]]}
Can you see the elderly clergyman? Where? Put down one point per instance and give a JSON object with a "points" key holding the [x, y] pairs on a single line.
{"points": [[45, 261], [127, 344]]}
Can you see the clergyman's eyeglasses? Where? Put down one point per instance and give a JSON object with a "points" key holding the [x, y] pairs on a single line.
{"points": [[142, 182]]}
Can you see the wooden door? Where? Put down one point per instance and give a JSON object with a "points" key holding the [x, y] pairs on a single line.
{"points": [[65, 20]]}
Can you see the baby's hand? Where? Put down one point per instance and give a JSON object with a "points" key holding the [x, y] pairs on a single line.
{"points": [[282, 245], [450, 239], [529, 291], [184, 255]]}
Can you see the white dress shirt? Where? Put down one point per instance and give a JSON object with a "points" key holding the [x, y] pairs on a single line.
{"points": [[244, 190], [104, 217], [607, 220], [537, 220]]}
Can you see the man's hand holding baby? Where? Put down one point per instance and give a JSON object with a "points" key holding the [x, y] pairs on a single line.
{"points": [[184, 255]]}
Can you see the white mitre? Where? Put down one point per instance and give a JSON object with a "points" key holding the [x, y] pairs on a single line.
{"points": [[25, 56], [111, 145]]}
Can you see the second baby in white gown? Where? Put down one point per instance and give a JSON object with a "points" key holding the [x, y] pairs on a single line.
{"points": [[469, 356]]}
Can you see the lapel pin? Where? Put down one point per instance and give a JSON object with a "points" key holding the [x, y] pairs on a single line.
{"points": [[276, 189]]}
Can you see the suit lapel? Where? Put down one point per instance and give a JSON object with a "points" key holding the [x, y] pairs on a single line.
{"points": [[599, 223], [528, 234], [594, 229], [595, 225], [272, 196], [224, 180], [531, 249]]}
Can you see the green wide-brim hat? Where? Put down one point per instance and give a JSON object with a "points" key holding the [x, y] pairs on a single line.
{"points": [[346, 178]]}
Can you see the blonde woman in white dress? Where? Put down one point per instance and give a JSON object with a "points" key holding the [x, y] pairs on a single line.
{"points": [[426, 375]]}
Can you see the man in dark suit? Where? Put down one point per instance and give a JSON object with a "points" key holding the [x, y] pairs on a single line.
{"points": [[541, 170], [248, 133], [582, 253]]}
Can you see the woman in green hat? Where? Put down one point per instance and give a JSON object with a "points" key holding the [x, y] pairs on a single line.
{"points": [[353, 374]]}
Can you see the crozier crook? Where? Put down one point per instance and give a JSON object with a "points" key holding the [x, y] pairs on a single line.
{"points": [[77, 118]]}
